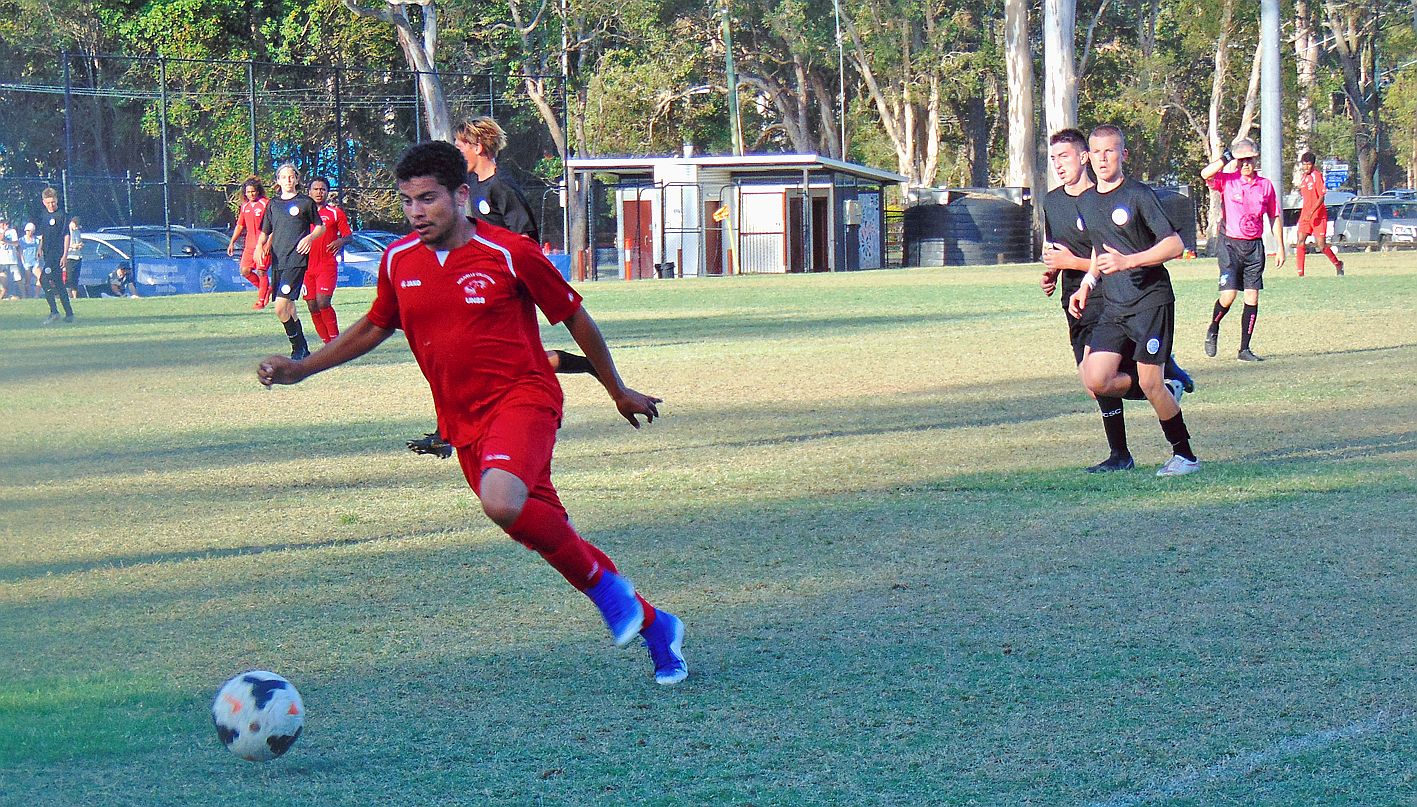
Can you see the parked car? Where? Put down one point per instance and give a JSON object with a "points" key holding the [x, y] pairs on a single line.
{"points": [[186, 241], [1375, 222], [1293, 203], [361, 256], [155, 273], [381, 237]]}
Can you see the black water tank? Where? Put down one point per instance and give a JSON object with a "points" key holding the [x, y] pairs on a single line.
{"points": [[1181, 210], [970, 228]]}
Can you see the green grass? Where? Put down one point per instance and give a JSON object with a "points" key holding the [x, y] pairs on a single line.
{"points": [[865, 501]]}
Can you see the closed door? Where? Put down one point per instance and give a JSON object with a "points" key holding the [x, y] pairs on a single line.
{"points": [[639, 238]]}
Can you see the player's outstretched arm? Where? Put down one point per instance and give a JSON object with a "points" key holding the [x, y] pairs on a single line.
{"points": [[353, 342], [630, 402]]}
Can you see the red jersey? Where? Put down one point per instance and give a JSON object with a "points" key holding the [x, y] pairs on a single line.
{"points": [[1312, 190], [250, 221], [470, 319], [336, 226]]}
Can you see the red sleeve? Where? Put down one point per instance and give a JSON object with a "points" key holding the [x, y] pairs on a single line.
{"points": [[551, 293], [342, 224], [384, 311]]}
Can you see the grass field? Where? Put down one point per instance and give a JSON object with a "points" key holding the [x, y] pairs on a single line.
{"points": [[865, 500]]}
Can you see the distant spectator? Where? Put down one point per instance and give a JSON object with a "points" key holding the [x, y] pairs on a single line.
{"points": [[9, 261], [120, 283], [29, 261], [53, 241], [74, 257]]}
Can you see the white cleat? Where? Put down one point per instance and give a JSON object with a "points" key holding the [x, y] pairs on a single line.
{"points": [[1179, 466]]}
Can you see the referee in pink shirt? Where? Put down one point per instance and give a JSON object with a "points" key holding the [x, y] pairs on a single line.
{"points": [[1247, 199]]}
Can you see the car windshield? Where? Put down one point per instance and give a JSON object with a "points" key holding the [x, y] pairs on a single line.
{"points": [[364, 243], [1399, 210], [208, 241]]}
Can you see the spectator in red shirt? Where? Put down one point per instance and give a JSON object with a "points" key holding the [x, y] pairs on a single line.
{"points": [[1248, 199], [465, 294], [248, 224], [1313, 216], [321, 278]]}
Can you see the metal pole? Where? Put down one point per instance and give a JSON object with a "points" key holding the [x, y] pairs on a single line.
{"points": [[840, 78], [1271, 98], [491, 97], [166, 180], [68, 127], [251, 119], [734, 123], [417, 112], [339, 131]]}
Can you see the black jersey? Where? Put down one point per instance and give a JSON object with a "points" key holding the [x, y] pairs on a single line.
{"points": [[1063, 225], [498, 201], [1129, 219], [52, 227], [286, 222]]}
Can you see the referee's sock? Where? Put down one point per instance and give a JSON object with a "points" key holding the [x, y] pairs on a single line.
{"points": [[1217, 315], [1114, 426], [1247, 324], [295, 334], [573, 363], [1178, 436]]}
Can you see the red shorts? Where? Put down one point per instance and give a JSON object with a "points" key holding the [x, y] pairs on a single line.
{"points": [[248, 261], [320, 281], [1316, 223], [518, 439]]}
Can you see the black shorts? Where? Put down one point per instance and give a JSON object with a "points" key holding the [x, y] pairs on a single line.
{"points": [[286, 283], [1080, 328], [1145, 336], [1241, 263], [71, 274]]}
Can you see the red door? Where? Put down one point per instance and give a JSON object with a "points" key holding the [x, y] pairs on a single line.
{"points": [[639, 239]]}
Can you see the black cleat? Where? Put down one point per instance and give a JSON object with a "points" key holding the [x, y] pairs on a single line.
{"points": [[1248, 355], [1122, 463], [431, 443], [299, 353], [1211, 337]]}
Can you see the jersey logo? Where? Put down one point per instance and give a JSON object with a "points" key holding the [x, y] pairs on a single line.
{"points": [[1120, 217], [495, 457], [293, 210], [410, 284], [474, 284], [483, 207]]}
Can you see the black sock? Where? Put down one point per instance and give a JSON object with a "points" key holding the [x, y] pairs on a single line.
{"points": [[295, 334], [1216, 316], [53, 309], [1114, 425], [1247, 324], [573, 363], [1178, 436], [1134, 392]]}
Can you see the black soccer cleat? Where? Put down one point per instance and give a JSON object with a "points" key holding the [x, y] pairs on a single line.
{"points": [[299, 353], [431, 443], [1114, 463], [1211, 338], [1248, 355]]}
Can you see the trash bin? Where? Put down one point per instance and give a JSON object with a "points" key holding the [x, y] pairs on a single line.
{"points": [[664, 270]]}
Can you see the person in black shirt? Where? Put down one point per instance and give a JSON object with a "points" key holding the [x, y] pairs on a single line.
{"points": [[1131, 240], [291, 224], [53, 229]]}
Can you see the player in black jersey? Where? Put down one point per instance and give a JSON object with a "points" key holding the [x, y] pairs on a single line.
{"points": [[1131, 241], [291, 224], [1066, 258]]}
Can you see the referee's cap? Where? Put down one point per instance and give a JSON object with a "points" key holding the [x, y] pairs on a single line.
{"points": [[1244, 147]]}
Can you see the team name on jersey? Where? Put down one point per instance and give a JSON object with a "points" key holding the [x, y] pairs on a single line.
{"points": [[473, 285]]}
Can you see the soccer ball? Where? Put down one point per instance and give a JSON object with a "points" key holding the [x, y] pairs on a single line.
{"points": [[258, 715]]}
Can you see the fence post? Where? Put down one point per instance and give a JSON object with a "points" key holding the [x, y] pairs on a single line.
{"points": [[166, 180], [251, 118]]}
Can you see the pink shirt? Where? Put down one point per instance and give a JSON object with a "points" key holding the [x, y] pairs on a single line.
{"points": [[1246, 203]]}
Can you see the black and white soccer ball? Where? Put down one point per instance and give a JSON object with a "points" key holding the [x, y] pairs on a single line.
{"points": [[258, 715]]}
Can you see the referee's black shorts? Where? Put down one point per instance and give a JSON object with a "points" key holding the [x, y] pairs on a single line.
{"points": [[1241, 263]]}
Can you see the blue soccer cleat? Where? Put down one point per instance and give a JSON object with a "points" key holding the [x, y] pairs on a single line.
{"points": [[1174, 370], [665, 640], [616, 599]]}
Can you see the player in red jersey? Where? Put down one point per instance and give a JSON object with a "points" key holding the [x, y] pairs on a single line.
{"points": [[321, 276], [248, 223], [465, 295], [1313, 216]]}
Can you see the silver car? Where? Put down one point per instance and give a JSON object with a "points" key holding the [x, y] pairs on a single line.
{"points": [[1376, 223]]}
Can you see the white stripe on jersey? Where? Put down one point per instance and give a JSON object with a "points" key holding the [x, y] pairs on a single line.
{"points": [[505, 252], [389, 253]]}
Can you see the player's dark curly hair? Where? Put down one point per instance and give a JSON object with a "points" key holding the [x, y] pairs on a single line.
{"points": [[1073, 137], [253, 182], [322, 180], [437, 159]]}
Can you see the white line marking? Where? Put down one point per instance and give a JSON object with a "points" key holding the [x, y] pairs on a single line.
{"points": [[1246, 764]]}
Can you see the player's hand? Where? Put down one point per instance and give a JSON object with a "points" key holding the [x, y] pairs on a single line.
{"points": [[1049, 281], [231, 249], [1110, 260], [1279, 258], [280, 370], [1078, 301], [303, 246], [632, 403]]}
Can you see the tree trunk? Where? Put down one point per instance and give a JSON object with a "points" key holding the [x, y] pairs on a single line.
{"points": [[419, 50], [1306, 60], [1060, 90], [1217, 95], [1353, 34], [1019, 66]]}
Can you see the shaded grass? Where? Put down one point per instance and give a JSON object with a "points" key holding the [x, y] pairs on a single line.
{"points": [[864, 500]]}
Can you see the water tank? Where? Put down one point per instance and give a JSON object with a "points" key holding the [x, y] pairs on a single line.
{"points": [[1181, 210], [964, 228]]}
